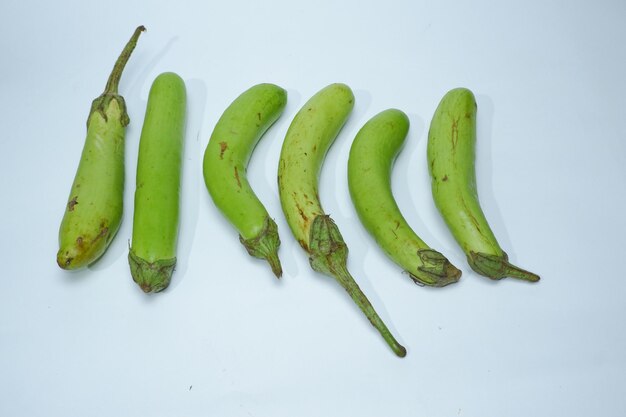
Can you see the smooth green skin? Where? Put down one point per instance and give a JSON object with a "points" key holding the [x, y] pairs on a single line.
{"points": [[152, 256], [451, 156], [372, 155], [226, 158], [94, 209], [310, 135]]}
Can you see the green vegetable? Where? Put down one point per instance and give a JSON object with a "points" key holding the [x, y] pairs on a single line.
{"points": [[451, 154], [312, 131], [94, 209], [369, 169], [225, 162], [152, 256]]}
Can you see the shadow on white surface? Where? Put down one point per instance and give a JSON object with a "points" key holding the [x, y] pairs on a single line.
{"points": [[484, 173]]}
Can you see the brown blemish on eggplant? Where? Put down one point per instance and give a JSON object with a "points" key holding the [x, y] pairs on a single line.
{"points": [[223, 147], [237, 177], [304, 216], [72, 203]]}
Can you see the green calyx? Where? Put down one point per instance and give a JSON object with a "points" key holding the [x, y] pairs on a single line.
{"points": [[265, 246], [328, 252], [101, 104], [498, 267], [328, 255], [437, 271], [151, 276]]}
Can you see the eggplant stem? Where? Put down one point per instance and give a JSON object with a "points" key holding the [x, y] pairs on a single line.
{"points": [[115, 76]]}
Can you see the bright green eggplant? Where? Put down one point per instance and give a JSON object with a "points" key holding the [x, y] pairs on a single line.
{"points": [[152, 256], [371, 159], [226, 157]]}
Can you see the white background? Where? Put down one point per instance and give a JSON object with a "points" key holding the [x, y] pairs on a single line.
{"points": [[227, 338]]}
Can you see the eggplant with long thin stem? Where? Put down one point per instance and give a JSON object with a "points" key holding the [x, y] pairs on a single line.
{"points": [[310, 135], [93, 212]]}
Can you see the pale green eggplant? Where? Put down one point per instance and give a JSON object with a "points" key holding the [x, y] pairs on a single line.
{"points": [[310, 135], [93, 212], [451, 158]]}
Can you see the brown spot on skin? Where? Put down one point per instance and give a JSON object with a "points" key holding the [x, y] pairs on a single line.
{"points": [[304, 217], [445, 178], [79, 241], [237, 177], [314, 147], [223, 147], [72, 203], [259, 116]]}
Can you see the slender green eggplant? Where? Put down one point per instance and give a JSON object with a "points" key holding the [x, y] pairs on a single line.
{"points": [[152, 256], [226, 158], [372, 154], [94, 209], [310, 135], [451, 156]]}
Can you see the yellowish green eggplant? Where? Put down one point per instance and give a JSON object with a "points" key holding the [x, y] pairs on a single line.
{"points": [[226, 158], [310, 135], [93, 212], [371, 159], [152, 255], [451, 158]]}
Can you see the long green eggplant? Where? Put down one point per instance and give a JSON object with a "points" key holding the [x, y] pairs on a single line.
{"points": [[310, 135], [372, 154], [451, 158], [152, 256], [226, 157], [93, 212]]}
